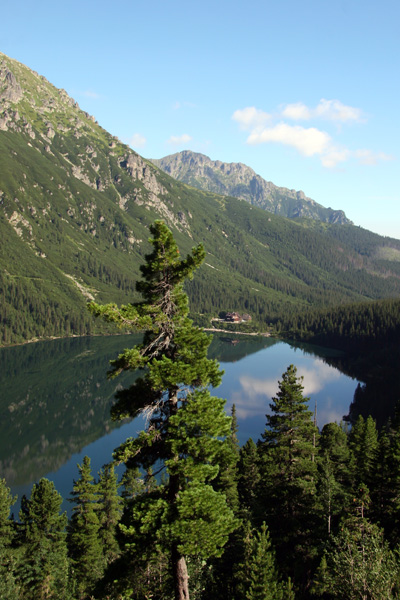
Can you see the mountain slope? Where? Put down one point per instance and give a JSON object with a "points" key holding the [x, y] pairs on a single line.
{"points": [[240, 181], [75, 206]]}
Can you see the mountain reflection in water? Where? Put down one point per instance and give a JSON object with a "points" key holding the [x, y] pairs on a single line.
{"points": [[55, 399]]}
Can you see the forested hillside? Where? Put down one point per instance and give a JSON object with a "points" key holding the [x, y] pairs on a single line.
{"points": [[353, 327], [75, 206]]}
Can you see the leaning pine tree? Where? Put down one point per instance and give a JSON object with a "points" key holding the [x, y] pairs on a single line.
{"points": [[186, 427]]}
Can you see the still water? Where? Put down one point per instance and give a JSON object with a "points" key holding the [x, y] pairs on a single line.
{"points": [[55, 400]]}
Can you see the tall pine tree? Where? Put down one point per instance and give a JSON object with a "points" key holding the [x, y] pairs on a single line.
{"points": [[109, 513], [84, 545], [186, 427], [45, 567], [8, 586], [288, 472], [363, 442], [334, 475], [249, 478]]}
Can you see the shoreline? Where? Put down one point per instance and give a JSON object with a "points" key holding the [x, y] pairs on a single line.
{"points": [[67, 337], [259, 333]]}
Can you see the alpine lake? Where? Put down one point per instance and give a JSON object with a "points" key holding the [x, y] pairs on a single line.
{"points": [[55, 399]]}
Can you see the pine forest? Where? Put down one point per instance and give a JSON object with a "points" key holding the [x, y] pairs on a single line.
{"points": [[299, 513]]}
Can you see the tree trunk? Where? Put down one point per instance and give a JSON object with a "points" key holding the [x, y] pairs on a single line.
{"points": [[179, 569], [181, 579]]}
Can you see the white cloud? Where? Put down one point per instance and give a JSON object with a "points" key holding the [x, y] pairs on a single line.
{"points": [[330, 110], [334, 156], [316, 378], [267, 128], [334, 110], [254, 387], [365, 157], [250, 117], [253, 396], [307, 141], [296, 112], [177, 140], [137, 141]]}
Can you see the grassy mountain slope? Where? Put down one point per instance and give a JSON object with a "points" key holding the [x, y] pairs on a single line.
{"points": [[75, 206]]}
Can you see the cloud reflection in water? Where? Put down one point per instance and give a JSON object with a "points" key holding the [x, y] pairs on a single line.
{"points": [[252, 393]]}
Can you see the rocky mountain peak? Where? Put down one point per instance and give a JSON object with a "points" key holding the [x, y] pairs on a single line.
{"points": [[240, 181]]}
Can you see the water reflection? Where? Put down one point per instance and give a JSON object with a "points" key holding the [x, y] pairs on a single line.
{"points": [[252, 383], [55, 400]]}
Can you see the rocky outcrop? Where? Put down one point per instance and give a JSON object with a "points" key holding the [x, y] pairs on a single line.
{"points": [[10, 90], [139, 170]]}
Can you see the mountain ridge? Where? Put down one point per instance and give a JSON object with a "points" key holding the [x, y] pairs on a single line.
{"points": [[241, 181]]}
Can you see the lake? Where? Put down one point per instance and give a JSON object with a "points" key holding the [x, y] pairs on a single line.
{"points": [[55, 400]]}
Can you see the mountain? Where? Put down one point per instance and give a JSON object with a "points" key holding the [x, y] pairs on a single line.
{"points": [[76, 204], [240, 181]]}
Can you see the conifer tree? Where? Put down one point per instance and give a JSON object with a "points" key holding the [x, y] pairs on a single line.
{"points": [[385, 488], [84, 544], [45, 568], [334, 475], [227, 478], [329, 492], [132, 484], [288, 471], [6, 525], [333, 442], [358, 565], [186, 427], [258, 573], [249, 478], [221, 580], [363, 443], [109, 513], [262, 572], [8, 586]]}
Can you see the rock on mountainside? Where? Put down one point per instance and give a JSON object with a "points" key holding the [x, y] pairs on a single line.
{"points": [[240, 181]]}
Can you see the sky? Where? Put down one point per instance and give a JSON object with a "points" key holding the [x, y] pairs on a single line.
{"points": [[305, 93]]}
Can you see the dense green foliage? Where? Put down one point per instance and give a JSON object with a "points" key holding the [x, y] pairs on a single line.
{"points": [[322, 532], [352, 327], [43, 543], [288, 468], [307, 506]]}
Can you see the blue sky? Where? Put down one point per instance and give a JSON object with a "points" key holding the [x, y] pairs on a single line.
{"points": [[306, 93]]}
